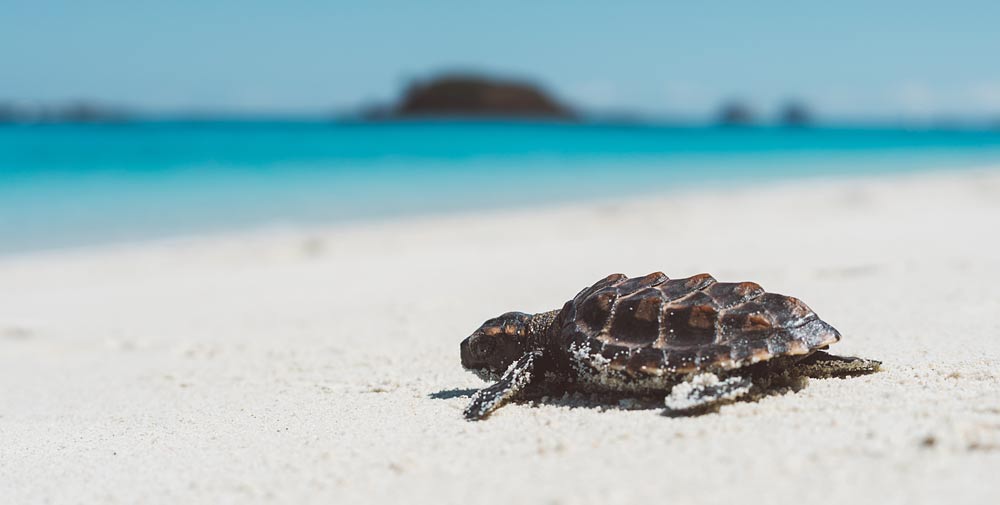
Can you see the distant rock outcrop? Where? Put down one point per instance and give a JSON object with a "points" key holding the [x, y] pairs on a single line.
{"points": [[477, 96], [794, 114], [76, 112], [735, 113]]}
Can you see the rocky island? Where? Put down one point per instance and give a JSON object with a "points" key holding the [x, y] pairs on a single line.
{"points": [[462, 95]]}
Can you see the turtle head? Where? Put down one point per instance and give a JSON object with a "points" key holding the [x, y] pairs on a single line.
{"points": [[490, 350]]}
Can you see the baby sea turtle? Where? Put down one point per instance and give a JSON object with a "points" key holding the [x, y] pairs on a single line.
{"points": [[698, 341]]}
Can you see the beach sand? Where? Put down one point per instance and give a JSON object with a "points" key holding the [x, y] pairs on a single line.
{"points": [[321, 365]]}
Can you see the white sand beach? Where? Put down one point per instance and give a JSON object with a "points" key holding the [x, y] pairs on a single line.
{"points": [[321, 365]]}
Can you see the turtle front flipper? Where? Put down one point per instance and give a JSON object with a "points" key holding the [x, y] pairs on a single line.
{"points": [[703, 391], [513, 382], [822, 365]]}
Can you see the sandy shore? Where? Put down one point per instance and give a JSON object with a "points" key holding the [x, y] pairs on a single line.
{"points": [[322, 365]]}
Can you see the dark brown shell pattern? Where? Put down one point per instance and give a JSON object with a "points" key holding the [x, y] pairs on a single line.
{"points": [[651, 326]]}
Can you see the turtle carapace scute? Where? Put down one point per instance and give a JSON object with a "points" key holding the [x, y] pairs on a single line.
{"points": [[697, 341]]}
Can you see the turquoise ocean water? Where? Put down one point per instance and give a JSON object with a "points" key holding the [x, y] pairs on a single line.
{"points": [[69, 185]]}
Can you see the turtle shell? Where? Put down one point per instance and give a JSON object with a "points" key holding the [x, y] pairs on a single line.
{"points": [[651, 326]]}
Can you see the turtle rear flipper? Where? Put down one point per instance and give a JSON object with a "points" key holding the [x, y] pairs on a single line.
{"points": [[822, 365], [704, 391], [513, 383]]}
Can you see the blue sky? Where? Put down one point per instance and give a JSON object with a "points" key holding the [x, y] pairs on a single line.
{"points": [[849, 59]]}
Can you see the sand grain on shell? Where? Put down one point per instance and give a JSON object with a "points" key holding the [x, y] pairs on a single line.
{"points": [[264, 368]]}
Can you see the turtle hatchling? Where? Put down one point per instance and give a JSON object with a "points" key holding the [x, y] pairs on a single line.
{"points": [[698, 342]]}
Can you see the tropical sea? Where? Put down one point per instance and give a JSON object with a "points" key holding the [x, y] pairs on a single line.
{"points": [[80, 185]]}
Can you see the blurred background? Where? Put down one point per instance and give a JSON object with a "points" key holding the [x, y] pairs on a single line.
{"points": [[123, 121]]}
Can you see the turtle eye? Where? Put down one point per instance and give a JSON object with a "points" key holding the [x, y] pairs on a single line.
{"points": [[482, 346]]}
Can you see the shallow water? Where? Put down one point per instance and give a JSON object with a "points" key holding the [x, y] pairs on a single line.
{"points": [[68, 185]]}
